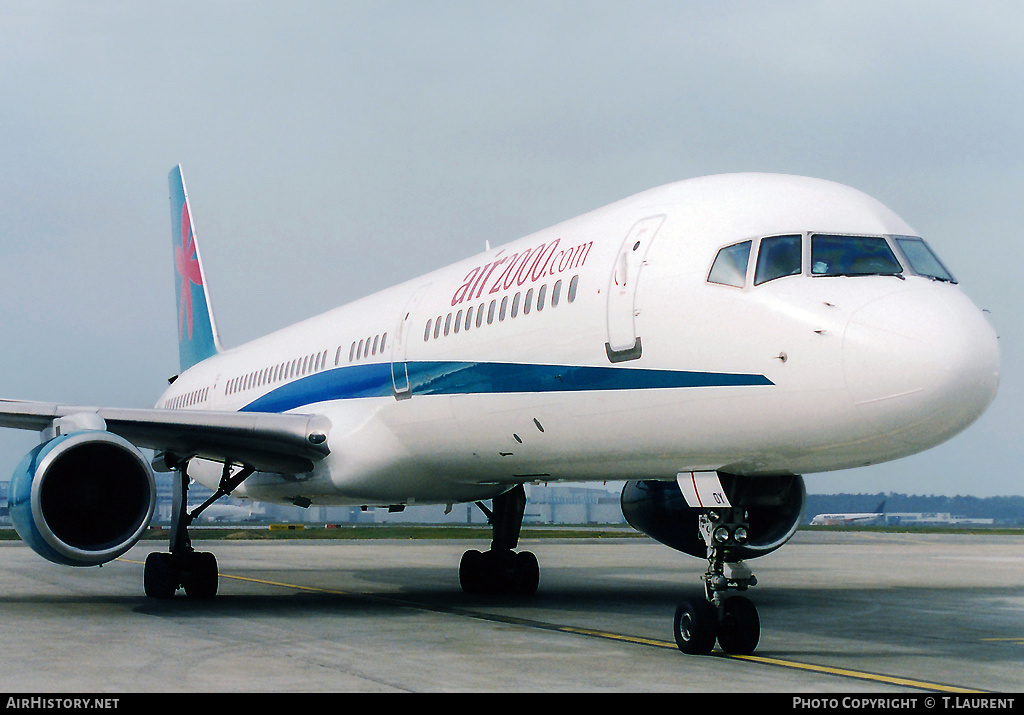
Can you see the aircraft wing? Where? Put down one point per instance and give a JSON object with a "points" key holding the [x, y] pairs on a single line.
{"points": [[265, 441]]}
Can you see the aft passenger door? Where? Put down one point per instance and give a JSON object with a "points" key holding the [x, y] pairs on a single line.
{"points": [[623, 342]]}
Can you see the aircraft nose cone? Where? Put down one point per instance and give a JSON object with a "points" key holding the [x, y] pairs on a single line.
{"points": [[921, 364]]}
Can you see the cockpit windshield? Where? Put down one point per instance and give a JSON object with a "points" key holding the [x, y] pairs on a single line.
{"points": [[831, 255], [922, 259], [852, 256], [777, 257]]}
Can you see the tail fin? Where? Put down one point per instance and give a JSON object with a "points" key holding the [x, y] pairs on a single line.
{"points": [[197, 331]]}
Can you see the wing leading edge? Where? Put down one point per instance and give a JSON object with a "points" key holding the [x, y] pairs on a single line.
{"points": [[267, 442]]}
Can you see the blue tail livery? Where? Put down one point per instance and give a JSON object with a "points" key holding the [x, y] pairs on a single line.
{"points": [[197, 331]]}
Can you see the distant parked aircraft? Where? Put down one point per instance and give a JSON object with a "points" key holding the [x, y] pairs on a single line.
{"points": [[860, 518]]}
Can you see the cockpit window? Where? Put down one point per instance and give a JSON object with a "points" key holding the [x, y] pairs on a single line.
{"points": [[777, 256], [852, 256], [922, 259], [730, 266]]}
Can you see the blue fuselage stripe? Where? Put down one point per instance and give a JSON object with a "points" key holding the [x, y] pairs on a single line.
{"points": [[476, 378]]}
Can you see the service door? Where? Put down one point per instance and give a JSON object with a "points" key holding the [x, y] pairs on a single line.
{"points": [[400, 345], [623, 341]]}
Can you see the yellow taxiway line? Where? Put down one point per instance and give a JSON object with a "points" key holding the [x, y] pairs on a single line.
{"points": [[651, 642]]}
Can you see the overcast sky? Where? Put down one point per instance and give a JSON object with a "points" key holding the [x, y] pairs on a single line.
{"points": [[332, 149]]}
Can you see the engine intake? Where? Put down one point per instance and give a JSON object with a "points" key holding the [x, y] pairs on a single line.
{"points": [[775, 506], [82, 499]]}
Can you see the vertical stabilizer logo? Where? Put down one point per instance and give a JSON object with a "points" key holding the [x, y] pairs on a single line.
{"points": [[186, 261]]}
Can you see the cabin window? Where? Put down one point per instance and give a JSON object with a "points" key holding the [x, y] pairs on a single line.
{"points": [[458, 321], [515, 305], [426, 330], [730, 266], [383, 342], [447, 324], [504, 308], [541, 295], [777, 257], [922, 260], [528, 302], [852, 256], [469, 318], [437, 327], [480, 315], [490, 312], [572, 288], [556, 290]]}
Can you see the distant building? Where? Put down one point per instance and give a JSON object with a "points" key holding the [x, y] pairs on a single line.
{"points": [[549, 504], [923, 518], [5, 517], [562, 504]]}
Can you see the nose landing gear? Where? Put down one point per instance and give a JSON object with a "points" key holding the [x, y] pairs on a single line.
{"points": [[733, 620]]}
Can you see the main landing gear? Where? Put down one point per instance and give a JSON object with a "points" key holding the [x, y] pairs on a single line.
{"points": [[732, 620], [184, 567], [500, 569]]}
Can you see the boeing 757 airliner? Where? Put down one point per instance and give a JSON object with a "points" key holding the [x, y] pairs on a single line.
{"points": [[708, 342]]}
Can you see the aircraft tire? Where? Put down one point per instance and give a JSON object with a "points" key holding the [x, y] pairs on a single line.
{"points": [[740, 629], [527, 573], [160, 577], [470, 571], [202, 577], [695, 626]]}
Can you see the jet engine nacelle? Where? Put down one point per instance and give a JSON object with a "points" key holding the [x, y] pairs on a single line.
{"points": [[775, 506], [82, 499]]}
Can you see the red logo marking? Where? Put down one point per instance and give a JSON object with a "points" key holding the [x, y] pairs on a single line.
{"points": [[187, 264]]}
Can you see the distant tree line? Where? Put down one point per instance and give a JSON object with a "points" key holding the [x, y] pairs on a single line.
{"points": [[1005, 510]]}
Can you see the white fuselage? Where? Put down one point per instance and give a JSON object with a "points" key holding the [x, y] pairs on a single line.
{"points": [[650, 369]]}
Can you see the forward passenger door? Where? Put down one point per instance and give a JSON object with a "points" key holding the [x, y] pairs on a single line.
{"points": [[623, 342]]}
